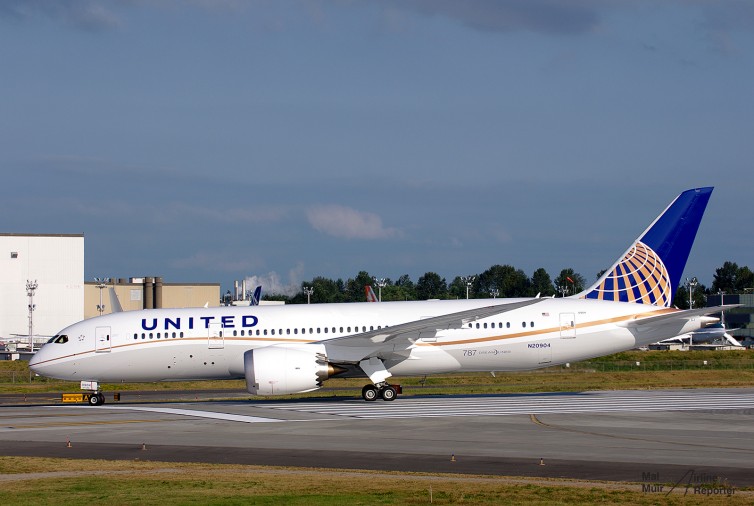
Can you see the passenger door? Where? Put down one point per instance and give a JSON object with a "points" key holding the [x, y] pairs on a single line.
{"points": [[567, 325], [102, 342], [215, 339]]}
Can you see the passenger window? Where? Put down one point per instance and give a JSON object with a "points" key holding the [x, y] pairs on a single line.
{"points": [[531, 324]]}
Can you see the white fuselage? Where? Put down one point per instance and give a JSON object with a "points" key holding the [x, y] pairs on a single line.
{"points": [[209, 343]]}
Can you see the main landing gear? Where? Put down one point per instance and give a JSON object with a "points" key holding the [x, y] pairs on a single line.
{"points": [[374, 368], [385, 392]]}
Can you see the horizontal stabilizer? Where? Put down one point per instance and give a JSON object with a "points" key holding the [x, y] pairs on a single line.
{"points": [[732, 340], [648, 322]]}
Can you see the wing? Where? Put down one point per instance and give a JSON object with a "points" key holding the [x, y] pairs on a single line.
{"points": [[401, 337]]}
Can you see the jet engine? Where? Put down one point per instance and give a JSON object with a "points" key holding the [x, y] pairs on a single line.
{"points": [[283, 369]]}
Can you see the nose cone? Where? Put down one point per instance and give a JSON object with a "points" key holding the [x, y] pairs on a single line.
{"points": [[51, 363], [36, 364]]}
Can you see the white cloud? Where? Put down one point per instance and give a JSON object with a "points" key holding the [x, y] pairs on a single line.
{"points": [[272, 284], [340, 221]]}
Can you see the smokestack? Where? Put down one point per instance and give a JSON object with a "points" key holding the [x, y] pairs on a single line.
{"points": [[148, 293], [158, 293]]}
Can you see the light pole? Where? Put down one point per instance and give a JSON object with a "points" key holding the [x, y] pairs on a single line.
{"points": [[722, 303], [494, 292], [563, 289], [380, 282], [308, 290], [31, 287], [101, 284], [691, 284], [469, 280]]}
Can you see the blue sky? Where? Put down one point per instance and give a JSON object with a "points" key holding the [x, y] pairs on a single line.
{"points": [[208, 141]]}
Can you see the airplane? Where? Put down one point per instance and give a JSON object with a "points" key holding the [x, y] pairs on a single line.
{"points": [[293, 349], [716, 333]]}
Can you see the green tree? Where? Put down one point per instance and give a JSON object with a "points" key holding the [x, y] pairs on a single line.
{"points": [[506, 279], [325, 290], [405, 289], [681, 299], [731, 278], [355, 287], [541, 283], [457, 289], [431, 286], [570, 281]]}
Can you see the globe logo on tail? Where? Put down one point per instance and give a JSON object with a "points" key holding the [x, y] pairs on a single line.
{"points": [[640, 277]]}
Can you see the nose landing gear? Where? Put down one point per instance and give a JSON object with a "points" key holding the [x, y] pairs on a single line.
{"points": [[96, 399]]}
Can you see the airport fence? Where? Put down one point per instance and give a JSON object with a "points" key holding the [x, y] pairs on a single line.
{"points": [[18, 377], [654, 365]]}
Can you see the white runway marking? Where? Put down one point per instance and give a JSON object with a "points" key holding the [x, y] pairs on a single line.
{"points": [[588, 402], [191, 412]]}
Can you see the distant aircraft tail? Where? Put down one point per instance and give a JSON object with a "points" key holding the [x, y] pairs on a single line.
{"points": [[256, 296], [650, 270], [115, 306], [371, 297]]}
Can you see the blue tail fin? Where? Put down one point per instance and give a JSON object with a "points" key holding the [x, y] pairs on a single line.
{"points": [[649, 272], [256, 296]]}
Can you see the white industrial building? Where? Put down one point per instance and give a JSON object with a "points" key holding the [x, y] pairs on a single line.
{"points": [[54, 263]]}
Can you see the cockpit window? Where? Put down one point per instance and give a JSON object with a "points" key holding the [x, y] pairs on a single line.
{"points": [[61, 339]]}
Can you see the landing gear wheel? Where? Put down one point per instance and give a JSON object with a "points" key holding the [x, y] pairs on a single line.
{"points": [[388, 393], [97, 399], [369, 393]]}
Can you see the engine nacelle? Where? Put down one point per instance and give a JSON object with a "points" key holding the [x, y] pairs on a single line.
{"points": [[284, 369]]}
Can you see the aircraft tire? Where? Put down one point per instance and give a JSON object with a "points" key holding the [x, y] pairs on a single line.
{"points": [[388, 393], [369, 393], [96, 399]]}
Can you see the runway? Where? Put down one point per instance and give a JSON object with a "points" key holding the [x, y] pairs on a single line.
{"points": [[618, 435]]}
